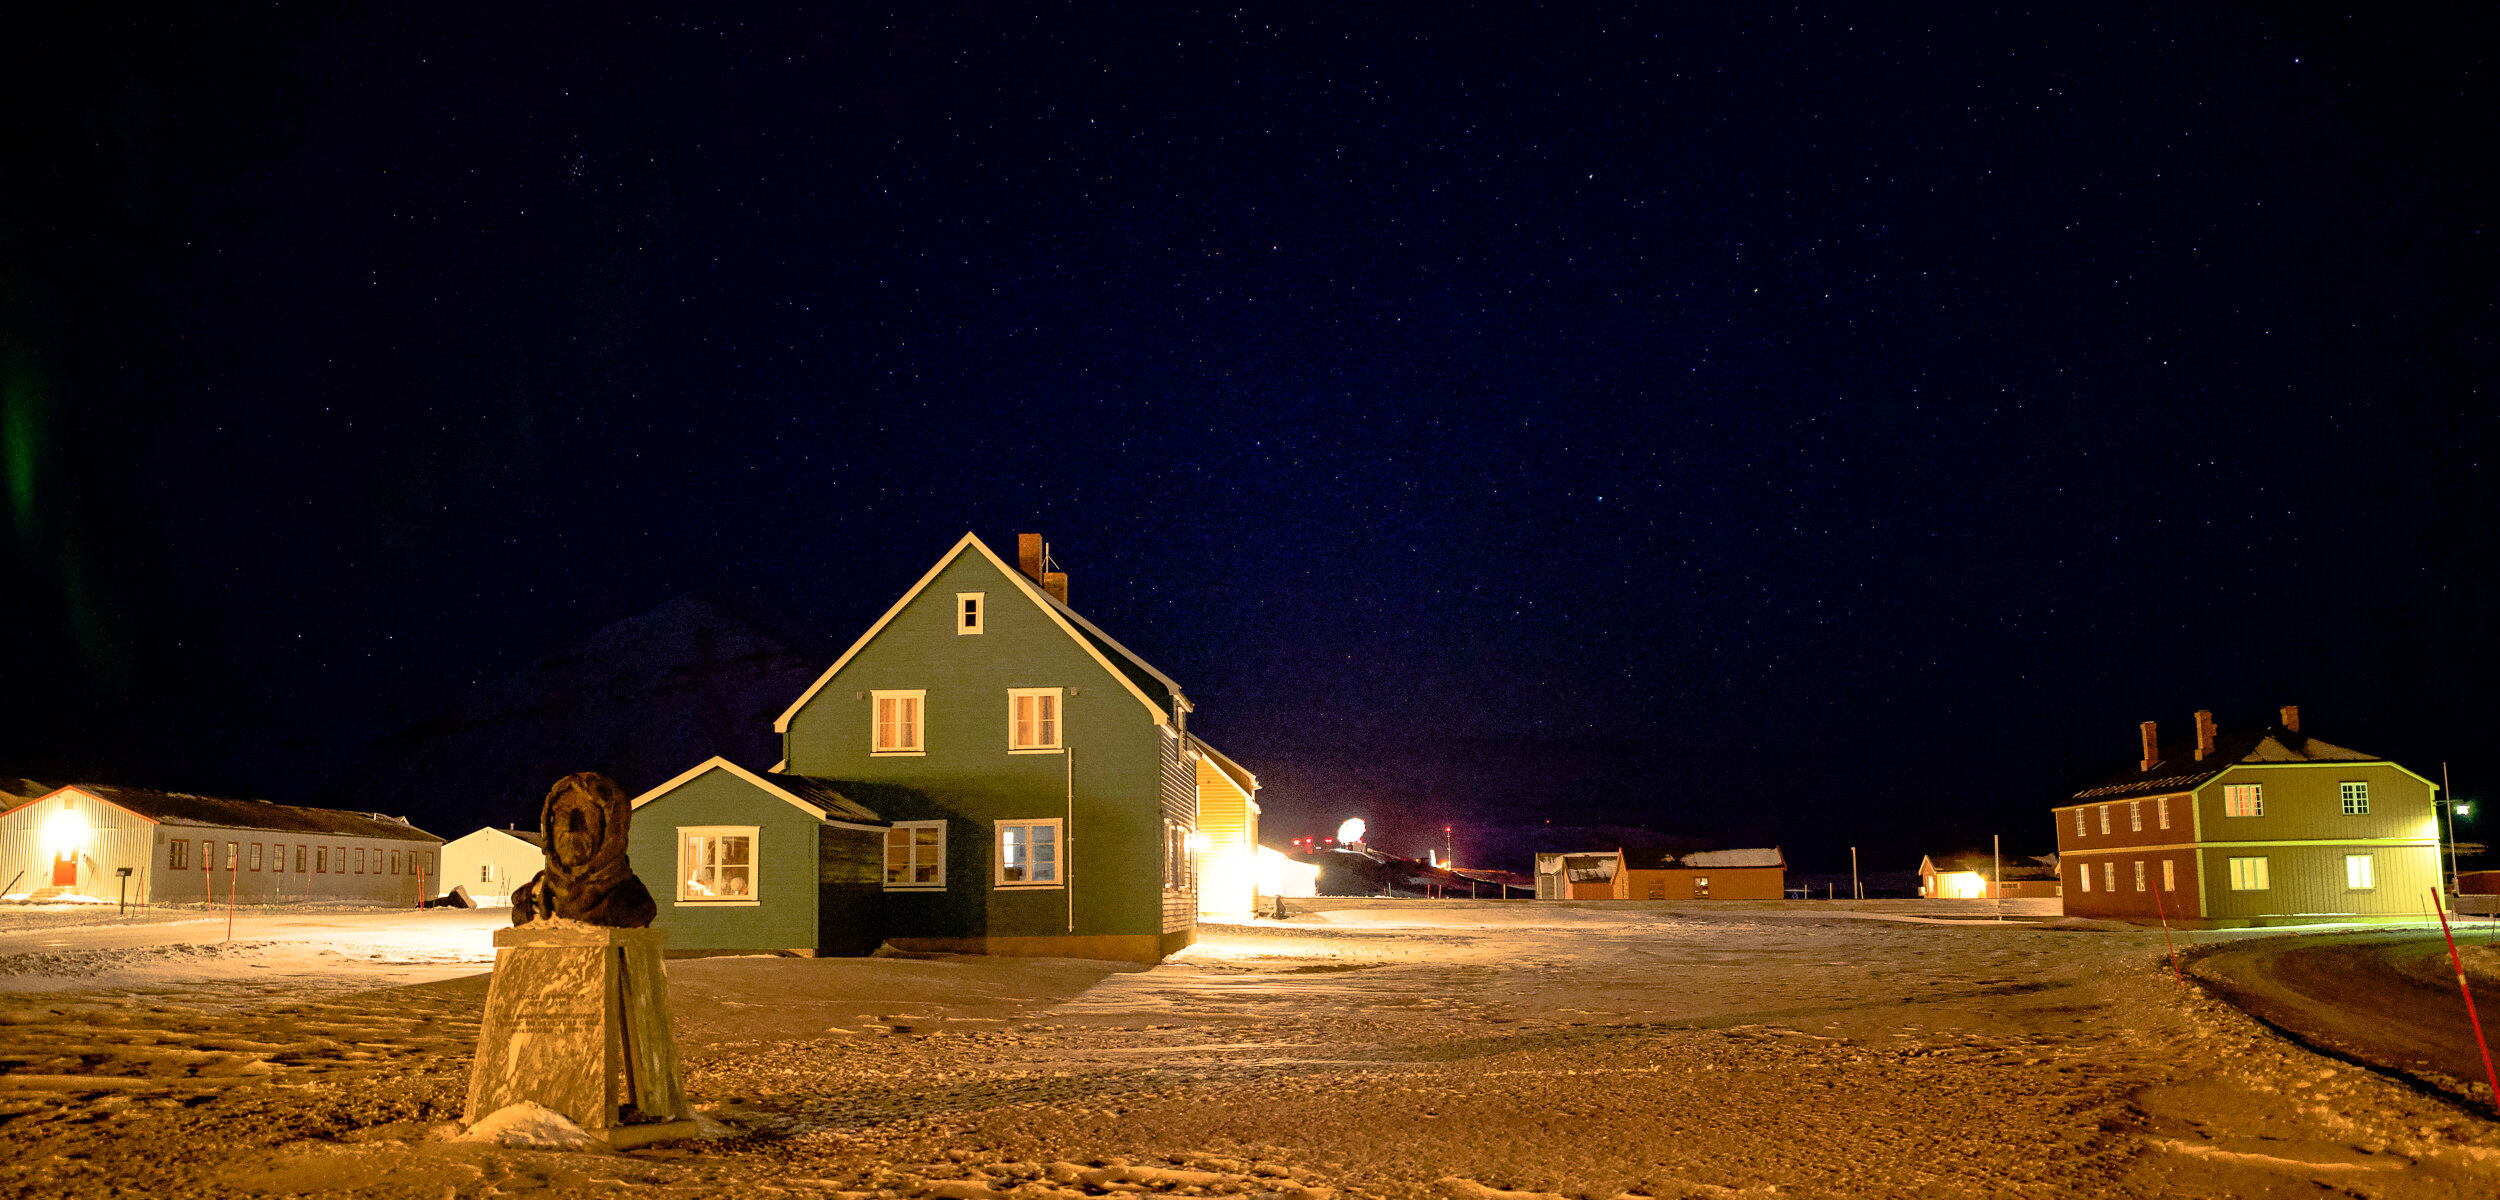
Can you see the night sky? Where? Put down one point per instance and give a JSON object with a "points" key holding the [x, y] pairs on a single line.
{"points": [[1816, 427]]}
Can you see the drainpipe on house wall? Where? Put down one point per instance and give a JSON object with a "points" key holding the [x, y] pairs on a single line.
{"points": [[1067, 832]]}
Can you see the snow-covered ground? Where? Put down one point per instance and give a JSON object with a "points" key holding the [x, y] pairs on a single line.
{"points": [[271, 950], [1464, 1051]]}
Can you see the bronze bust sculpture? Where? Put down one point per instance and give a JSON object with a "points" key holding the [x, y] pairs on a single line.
{"points": [[588, 877]]}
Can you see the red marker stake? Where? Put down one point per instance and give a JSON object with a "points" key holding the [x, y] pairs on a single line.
{"points": [[234, 866], [2459, 960], [2163, 911]]}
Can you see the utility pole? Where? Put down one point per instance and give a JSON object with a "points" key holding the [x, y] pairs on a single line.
{"points": [[1449, 856], [2445, 786], [1996, 877], [1857, 891]]}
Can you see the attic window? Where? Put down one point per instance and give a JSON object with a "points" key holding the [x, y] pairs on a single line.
{"points": [[2244, 800], [967, 612]]}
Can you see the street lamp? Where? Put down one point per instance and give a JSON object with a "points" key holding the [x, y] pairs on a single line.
{"points": [[2457, 807]]}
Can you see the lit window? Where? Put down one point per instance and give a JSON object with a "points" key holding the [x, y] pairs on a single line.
{"points": [[2244, 800], [915, 855], [2249, 875], [898, 722], [2135, 818], [2139, 874], [2079, 830], [178, 858], [2169, 878], [2360, 872], [1028, 853], [1033, 718], [2356, 798], [716, 864], [2161, 811], [2109, 876], [2104, 818], [2085, 871], [967, 612]]}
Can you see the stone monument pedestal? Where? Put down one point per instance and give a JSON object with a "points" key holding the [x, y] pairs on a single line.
{"points": [[577, 1020]]}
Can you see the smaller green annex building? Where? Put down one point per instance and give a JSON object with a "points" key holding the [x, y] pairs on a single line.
{"points": [[983, 771]]}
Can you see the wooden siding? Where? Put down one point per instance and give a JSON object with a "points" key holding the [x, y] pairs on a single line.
{"points": [[1223, 809], [784, 916], [2182, 824], [490, 863], [116, 838], [969, 778], [2178, 904], [2304, 802], [1180, 806], [2309, 881], [1677, 883]]}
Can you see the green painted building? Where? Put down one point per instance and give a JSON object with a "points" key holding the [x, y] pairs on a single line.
{"points": [[2266, 826], [983, 771]]}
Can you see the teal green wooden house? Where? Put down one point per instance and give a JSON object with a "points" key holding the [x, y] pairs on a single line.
{"points": [[983, 771]]}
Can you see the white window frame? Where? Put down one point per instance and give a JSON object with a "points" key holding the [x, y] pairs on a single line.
{"points": [[2251, 874], [2365, 880], [975, 605], [2109, 876], [755, 865], [2079, 832], [2161, 811], [1058, 720], [2169, 876], [919, 698], [2104, 820], [2356, 790], [2139, 874], [2243, 800], [2135, 816], [1058, 855], [915, 829], [2085, 871]]}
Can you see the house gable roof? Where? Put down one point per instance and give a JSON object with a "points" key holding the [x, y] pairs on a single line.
{"points": [[1239, 775], [1152, 688], [807, 795], [226, 812], [2179, 770]]}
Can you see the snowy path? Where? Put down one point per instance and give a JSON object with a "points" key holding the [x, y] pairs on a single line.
{"points": [[1449, 1051], [2387, 998]]}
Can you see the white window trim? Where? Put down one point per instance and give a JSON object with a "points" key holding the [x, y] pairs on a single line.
{"points": [[2135, 816], [2079, 823], [2346, 795], [980, 613], [998, 855], [940, 884], [2169, 876], [2257, 800], [2371, 870], [2161, 810], [2258, 877], [2104, 820], [1058, 721], [2139, 874], [755, 865], [2109, 876], [920, 727]]}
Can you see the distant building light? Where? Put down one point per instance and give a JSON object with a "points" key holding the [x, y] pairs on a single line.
{"points": [[1351, 831]]}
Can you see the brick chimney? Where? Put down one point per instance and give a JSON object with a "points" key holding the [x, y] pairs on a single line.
{"points": [[2152, 746], [2204, 733], [1033, 558], [2291, 717]]}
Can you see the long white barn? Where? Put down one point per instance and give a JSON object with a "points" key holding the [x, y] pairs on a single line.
{"points": [[99, 842]]}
